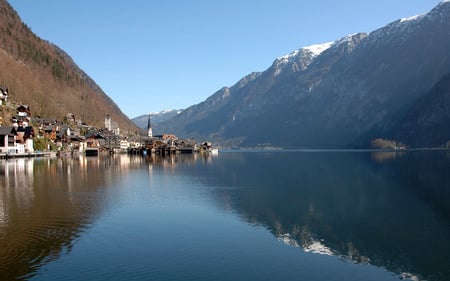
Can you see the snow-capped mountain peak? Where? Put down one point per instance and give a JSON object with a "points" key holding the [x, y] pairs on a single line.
{"points": [[301, 58], [317, 49], [287, 58], [313, 50]]}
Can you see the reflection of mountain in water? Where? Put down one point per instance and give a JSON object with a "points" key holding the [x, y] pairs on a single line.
{"points": [[392, 214], [389, 210], [46, 204], [43, 210]]}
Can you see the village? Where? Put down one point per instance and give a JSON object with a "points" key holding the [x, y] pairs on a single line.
{"points": [[29, 136]]}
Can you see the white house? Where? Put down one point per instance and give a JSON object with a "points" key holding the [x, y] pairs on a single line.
{"points": [[124, 145]]}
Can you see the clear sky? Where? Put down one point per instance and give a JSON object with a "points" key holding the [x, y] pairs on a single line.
{"points": [[154, 55]]}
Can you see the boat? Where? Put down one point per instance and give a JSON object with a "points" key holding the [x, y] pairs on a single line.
{"points": [[91, 151]]}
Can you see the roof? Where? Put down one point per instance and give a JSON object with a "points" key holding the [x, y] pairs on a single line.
{"points": [[94, 135], [28, 131], [24, 106], [8, 130], [77, 138], [49, 128]]}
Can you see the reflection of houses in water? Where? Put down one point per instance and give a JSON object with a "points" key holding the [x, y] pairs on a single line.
{"points": [[3, 217], [43, 208], [16, 178]]}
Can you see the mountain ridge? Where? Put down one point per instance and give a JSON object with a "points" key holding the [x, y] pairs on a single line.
{"points": [[340, 98]]}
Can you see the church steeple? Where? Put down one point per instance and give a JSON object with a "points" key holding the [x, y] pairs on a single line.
{"points": [[149, 128]]}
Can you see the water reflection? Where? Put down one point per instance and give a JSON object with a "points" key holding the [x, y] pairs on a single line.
{"points": [[382, 156], [43, 209], [47, 203], [388, 210], [393, 214]]}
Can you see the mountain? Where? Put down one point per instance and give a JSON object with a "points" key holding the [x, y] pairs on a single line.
{"points": [[339, 94], [155, 117], [427, 122], [43, 76]]}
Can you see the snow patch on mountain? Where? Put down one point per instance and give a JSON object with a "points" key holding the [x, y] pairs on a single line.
{"points": [[300, 59], [314, 50], [155, 117], [286, 58], [162, 112], [317, 49], [416, 17]]}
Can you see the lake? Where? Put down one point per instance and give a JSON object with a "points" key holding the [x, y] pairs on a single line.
{"points": [[261, 215]]}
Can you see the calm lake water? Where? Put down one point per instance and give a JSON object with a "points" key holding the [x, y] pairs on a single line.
{"points": [[297, 215]]}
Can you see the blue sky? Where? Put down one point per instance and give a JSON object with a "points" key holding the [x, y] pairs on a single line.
{"points": [[154, 55]]}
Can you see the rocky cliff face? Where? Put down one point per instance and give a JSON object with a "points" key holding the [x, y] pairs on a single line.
{"points": [[339, 94]]}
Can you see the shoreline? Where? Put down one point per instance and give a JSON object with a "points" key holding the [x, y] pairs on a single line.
{"points": [[261, 149], [27, 155]]}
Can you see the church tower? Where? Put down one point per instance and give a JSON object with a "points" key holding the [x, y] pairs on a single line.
{"points": [[108, 122], [149, 128]]}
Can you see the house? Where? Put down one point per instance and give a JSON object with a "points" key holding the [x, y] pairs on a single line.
{"points": [[8, 139], [124, 145], [21, 121], [63, 133], [23, 117], [2, 98], [23, 111], [78, 143], [49, 132], [24, 137], [3, 95], [18, 140], [166, 137], [70, 117], [47, 128], [95, 139]]}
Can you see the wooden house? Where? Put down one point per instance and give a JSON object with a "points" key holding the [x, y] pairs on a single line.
{"points": [[23, 111], [7, 139], [50, 132]]}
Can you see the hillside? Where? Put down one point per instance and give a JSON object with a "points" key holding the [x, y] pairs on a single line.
{"points": [[341, 94], [427, 123], [43, 76]]}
